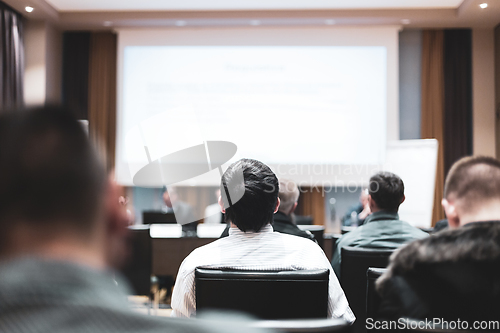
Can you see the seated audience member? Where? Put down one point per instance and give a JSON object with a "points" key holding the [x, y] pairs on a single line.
{"points": [[382, 228], [251, 243], [453, 274], [62, 228], [213, 215], [183, 212], [282, 220], [356, 214]]}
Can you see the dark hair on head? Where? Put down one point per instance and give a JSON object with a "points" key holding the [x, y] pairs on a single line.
{"points": [[49, 171], [259, 188], [387, 190], [473, 179]]}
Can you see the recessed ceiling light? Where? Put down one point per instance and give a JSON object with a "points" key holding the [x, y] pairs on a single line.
{"points": [[107, 23], [180, 23], [405, 21], [483, 5], [29, 9], [329, 22], [254, 22]]}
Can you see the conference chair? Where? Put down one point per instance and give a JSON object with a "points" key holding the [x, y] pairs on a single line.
{"points": [[241, 322], [304, 325], [372, 297], [318, 232], [137, 269], [264, 294], [154, 216], [353, 266]]}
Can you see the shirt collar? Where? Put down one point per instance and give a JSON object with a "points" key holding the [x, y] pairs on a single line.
{"points": [[381, 215], [235, 231]]}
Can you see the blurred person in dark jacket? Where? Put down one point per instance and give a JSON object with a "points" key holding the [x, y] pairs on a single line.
{"points": [[282, 220], [453, 274]]}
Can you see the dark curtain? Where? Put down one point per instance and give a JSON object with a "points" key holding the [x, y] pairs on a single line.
{"points": [[11, 58], [89, 85], [75, 81], [457, 60], [102, 93], [433, 107]]}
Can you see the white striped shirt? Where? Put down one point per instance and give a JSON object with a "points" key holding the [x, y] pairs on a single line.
{"points": [[263, 250]]}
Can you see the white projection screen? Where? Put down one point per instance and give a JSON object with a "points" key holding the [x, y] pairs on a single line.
{"points": [[316, 104]]}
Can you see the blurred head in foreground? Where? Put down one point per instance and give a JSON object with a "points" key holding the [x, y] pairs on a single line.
{"points": [[385, 192], [55, 198], [472, 191], [249, 194]]}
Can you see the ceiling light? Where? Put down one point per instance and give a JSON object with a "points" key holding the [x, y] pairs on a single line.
{"points": [[180, 23], [254, 22], [483, 5], [107, 23], [405, 21], [29, 9], [329, 22]]}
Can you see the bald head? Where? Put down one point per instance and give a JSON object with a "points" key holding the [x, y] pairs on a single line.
{"points": [[288, 194], [472, 190]]}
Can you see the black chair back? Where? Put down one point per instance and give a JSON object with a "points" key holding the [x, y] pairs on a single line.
{"points": [[354, 264], [153, 216], [304, 325], [372, 297], [264, 294], [318, 232], [137, 269]]}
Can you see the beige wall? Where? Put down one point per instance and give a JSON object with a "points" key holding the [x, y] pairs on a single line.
{"points": [[53, 65], [483, 92], [34, 71], [43, 63], [497, 87]]}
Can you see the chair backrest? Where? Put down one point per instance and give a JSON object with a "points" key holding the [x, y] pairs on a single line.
{"points": [[354, 264], [137, 269], [304, 325], [264, 294], [153, 216], [318, 232], [372, 297]]}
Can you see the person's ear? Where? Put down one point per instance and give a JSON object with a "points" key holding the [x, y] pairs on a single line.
{"points": [[221, 204], [293, 208], [117, 221], [404, 198], [451, 213], [371, 203], [277, 205], [117, 218]]}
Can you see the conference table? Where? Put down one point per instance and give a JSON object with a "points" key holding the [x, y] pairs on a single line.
{"points": [[169, 248]]}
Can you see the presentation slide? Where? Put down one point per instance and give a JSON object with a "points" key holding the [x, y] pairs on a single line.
{"points": [[311, 103], [280, 105]]}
